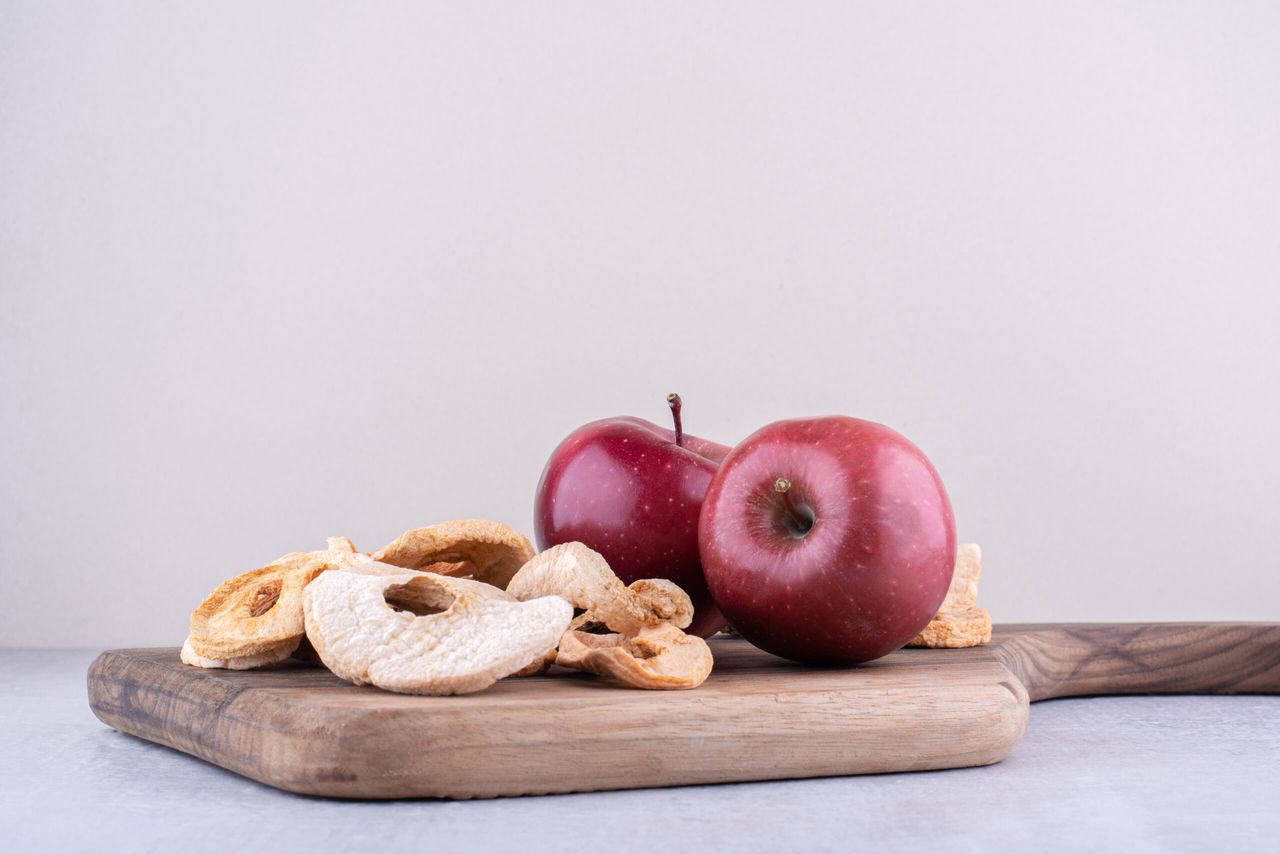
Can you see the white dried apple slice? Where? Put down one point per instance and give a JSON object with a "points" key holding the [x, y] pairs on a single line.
{"points": [[421, 633]]}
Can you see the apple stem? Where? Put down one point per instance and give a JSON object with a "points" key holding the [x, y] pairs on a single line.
{"points": [[782, 486], [674, 401]]}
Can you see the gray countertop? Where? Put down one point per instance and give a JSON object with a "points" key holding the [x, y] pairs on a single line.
{"points": [[1127, 773]]}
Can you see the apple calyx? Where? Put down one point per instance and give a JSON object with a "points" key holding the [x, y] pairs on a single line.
{"points": [[674, 401], [797, 521]]}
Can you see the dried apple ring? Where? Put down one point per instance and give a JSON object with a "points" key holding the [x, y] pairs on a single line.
{"points": [[658, 657], [420, 633], [257, 616], [486, 551]]}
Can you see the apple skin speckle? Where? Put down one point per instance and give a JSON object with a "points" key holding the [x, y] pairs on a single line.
{"points": [[855, 560]]}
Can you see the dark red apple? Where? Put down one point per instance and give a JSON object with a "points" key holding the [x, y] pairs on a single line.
{"points": [[827, 540], [632, 491]]}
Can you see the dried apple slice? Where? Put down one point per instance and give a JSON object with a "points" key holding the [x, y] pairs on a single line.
{"points": [[421, 633], [487, 551], [658, 657], [256, 618], [266, 658], [582, 576]]}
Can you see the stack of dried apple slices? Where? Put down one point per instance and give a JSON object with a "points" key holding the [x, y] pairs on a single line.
{"points": [[451, 609]]}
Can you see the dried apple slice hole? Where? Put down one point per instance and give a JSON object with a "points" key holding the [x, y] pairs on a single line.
{"points": [[421, 600], [643, 651], [265, 597]]}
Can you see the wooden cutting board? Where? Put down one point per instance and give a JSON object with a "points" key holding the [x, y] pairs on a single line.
{"points": [[299, 728]]}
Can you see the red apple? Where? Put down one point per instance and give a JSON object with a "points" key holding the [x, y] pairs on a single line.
{"points": [[827, 540], [632, 491]]}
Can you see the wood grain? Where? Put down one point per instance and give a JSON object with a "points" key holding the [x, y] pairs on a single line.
{"points": [[1066, 660], [757, 718]]}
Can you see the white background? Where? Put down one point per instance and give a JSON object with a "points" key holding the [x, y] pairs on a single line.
{"points": [[275, 272]]}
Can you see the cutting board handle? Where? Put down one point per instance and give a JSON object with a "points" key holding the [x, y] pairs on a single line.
{"points": [[1070, 660]]}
